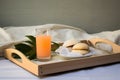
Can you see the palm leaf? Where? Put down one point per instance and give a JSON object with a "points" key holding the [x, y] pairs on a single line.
{"points": [[32, 39], [28, 47], [54, 46], [24, 48]]}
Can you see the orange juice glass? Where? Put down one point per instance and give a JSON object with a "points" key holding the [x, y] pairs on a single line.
{"points": [[43, 44]]}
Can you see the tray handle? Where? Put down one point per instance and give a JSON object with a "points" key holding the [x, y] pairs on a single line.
{"points": [[115, 47], [25, 62]]}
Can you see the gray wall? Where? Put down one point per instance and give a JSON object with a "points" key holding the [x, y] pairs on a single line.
{"points": [[90, 15]]}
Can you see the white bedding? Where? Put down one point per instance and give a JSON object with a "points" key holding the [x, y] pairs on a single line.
{"points": [[60, 33]]}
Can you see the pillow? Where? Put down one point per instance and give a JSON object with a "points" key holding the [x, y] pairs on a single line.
{"points": [[5, 39]]}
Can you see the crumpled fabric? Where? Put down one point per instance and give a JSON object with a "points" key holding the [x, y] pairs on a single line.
{"points": [[59, 32]]}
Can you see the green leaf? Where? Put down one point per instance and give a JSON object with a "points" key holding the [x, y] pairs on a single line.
{"points": [[28, 48], [32, 39], [29, 42], [24, 48], [32, 54], [54, 46]]}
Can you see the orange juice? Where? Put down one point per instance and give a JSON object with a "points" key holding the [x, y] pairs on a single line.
{"points": [[43, 46]]}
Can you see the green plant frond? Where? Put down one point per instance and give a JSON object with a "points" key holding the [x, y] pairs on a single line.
{"points": [[24, 48], [29, 42], [32, 39], [32, 54], [54, 46], [28, 47]]}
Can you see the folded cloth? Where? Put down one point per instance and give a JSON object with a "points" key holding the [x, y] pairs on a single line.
{"points": [[113, 36], [110, 35]]}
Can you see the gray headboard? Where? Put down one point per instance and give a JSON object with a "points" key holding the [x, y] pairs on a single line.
{"points": [[90, 15]]}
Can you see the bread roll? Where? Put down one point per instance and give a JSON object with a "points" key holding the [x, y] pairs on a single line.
{"points": [[70, 42], [80, 46], [83, 52]]}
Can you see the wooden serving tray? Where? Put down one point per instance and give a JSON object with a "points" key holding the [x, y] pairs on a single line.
{"points": [[59, 64]]}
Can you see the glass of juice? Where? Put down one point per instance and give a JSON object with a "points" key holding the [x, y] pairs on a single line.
{"points": [[43, 44]]}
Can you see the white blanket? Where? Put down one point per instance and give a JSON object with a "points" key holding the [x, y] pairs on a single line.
{"points": [[60, 33]]}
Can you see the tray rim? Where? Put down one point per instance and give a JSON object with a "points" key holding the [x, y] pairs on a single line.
{"points": [[50, 68]]}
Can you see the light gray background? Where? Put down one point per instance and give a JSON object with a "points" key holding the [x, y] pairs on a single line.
{"points": [[90, 15]]}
